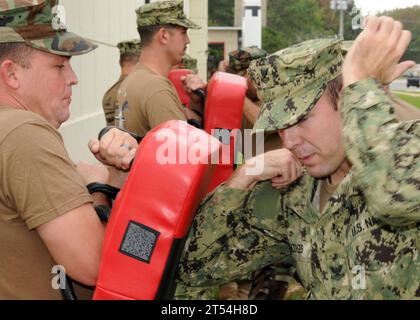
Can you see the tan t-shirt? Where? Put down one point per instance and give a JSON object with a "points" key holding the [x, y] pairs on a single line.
{"points": [[38, 183], [152, 100], [110, 101]]}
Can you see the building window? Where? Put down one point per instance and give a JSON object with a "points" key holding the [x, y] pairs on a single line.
{"points": [[255, 10]]}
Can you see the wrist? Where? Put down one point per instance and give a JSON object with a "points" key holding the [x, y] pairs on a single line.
{"points": [[352, 77], [241, 180], [116, 177], [348, 80]]}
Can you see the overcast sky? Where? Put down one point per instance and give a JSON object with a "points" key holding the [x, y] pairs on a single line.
{"points": [[374, 6]]}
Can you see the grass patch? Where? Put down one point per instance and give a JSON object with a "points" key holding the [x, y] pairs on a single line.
{"points": [[407, 93], [414, 100]]}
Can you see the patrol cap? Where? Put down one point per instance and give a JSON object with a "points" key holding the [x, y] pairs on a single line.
{"points": [[164, 12], [31, 22], [189, 62], [130, 46], [292, 80], [239, 60]]}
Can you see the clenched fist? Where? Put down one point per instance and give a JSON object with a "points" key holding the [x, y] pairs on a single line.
{"points": [[280, 166]]}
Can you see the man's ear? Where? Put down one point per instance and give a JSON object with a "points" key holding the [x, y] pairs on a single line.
{"points": [[9, 73], [163, 35]]}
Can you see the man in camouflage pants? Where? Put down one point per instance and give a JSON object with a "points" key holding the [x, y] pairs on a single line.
{"points": [[348, 221]]}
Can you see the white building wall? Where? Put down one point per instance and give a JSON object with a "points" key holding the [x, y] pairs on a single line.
{"points": [[108, 22], [239, 12], [230, 37], [198, 12]]}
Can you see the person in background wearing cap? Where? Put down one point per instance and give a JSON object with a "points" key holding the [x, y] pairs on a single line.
{"points": [[188, 63], [151, 97], [129, 57], [46, 213], [264, 283], [341, 202], [239, 61]]}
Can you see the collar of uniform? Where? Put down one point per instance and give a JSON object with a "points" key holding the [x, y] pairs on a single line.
{"points": [[298, 199]]}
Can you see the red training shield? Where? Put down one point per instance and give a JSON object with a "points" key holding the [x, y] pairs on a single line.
{"points": [[175, 77], [153, 212], [223, 119]]}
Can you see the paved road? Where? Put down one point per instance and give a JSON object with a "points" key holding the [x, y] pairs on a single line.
{"points": [[401, 85]]}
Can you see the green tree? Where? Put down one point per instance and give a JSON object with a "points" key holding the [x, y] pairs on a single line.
{"points": [[221, 12], [291, 22]]}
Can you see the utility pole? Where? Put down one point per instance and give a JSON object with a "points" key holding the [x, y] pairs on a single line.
{"points": [[342, 6]]}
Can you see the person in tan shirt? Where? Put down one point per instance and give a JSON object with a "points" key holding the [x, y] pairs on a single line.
{"points": [[47, 217], [129, 56], [150, 96]]}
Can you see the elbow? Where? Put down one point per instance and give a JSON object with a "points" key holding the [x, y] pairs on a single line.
{"points": [[92, 273], [85, 273], [91, 278], [86, 277]]}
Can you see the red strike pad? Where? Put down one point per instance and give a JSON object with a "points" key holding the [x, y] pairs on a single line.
{"points": [[175, 78], [223, 115], [154, 208]]}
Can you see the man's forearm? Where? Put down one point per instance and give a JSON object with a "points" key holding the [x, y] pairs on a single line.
{"points": [[251, 111]]}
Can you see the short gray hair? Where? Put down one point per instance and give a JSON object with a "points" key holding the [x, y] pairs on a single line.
{"points": [[17, 52]]}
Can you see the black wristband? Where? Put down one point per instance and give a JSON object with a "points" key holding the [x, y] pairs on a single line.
{"points": [[103, 212], [202, 94], [195, 123], [199, 113], [110, 191]]}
